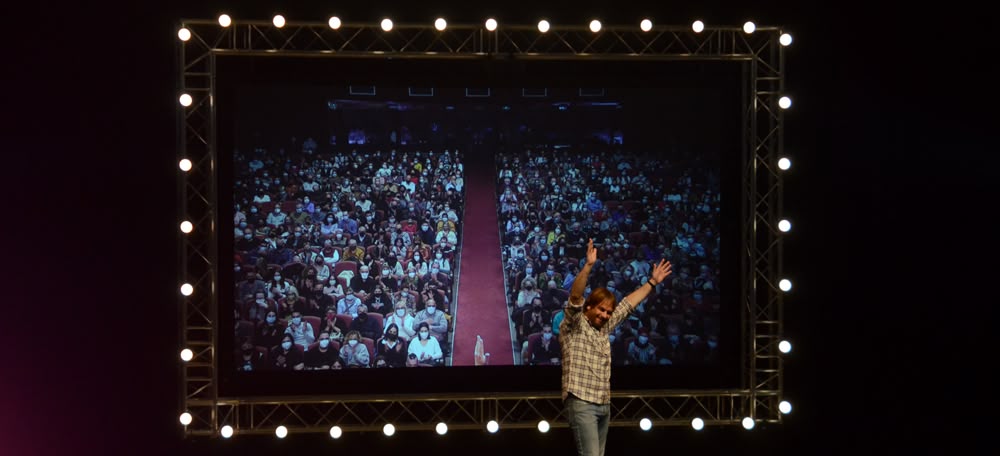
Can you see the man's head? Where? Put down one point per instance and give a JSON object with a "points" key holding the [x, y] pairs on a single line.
{"points": [[598, 307]]}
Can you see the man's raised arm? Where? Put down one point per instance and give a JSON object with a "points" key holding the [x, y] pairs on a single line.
{"points": [[580, 283], [660, 273]]}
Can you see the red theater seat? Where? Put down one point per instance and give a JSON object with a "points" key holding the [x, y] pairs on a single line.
{"points": [[342, 266], [374, 315], [345, 320], [532, 343], [371, 350]]}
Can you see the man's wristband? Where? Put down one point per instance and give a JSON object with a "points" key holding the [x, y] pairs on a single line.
{"points": [[650, 282]]}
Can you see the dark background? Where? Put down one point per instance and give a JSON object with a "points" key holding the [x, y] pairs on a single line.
{"points": [[890, 190]]}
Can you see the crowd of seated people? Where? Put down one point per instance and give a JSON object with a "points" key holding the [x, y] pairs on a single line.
{"points": [[341, 258], [637, 209]]}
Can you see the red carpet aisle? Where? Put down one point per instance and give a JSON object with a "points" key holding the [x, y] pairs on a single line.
{"points": [[482, 309]]}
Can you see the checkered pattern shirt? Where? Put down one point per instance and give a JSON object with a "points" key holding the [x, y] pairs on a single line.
{"points": [[586, 352]]}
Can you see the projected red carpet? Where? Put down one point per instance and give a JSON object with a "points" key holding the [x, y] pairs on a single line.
{"points": [[482, 309]]}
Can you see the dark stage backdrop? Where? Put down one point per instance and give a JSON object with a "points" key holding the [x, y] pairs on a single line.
{"points": [[890, 121]]}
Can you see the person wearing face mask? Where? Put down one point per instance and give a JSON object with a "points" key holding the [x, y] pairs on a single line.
{"points": [[330, 323], [328, 226], [639, 265], [352, 252], [392, 347], [348, 305], [365, 324], [256, 309], [411, 279], [269, 331], [348, 224], [434, 318], [525, 296], [427, 233], [612, 287], [629, 279], [556, 236], [441, 262], [239, 215], [379, 301], [323, 353], [547, 351], [447, 235], [300, 216], [248, 288], [402, 318], [261, 196], [354, 352], [239, 228], [286, 355], [248, 358], [247, 242], [533, 319], [641, 351], [425, 348], [278, 287], [363, 283], [276, 218], [339, 240], [300, 330], [548, 273]]}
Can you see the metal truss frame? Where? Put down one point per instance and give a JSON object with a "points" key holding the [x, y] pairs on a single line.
{"points": [[761, 301]]}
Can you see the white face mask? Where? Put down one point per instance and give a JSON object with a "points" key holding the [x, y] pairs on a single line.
{"points": [[439, 255], [385, 272], [352, 342], [546, 336], [424, 334], [413, 274], [416, 257], [296, 320], [431, 310], [286, 345], [643, 339], [400, 312], [364, 275], [324, 343]]}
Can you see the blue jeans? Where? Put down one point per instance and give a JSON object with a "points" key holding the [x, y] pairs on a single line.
{"points": [[589, 422]]}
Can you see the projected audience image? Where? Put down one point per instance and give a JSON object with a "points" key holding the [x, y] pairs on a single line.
{"points": [[372, 233]]}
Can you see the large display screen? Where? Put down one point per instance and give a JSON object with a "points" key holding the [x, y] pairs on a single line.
{"points": [[392, 227]]}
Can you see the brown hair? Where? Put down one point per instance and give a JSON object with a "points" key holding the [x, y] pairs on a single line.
{"points": [[599, 295]]}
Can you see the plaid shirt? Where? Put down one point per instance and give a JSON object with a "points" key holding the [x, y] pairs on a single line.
{"points": [[586, 352]]}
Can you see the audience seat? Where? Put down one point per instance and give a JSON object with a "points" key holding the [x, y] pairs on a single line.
{"points": [[371, 350], [346, 320]]}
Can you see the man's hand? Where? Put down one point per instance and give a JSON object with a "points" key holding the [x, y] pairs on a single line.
{"points": [[591, 252], [661, 271]]}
